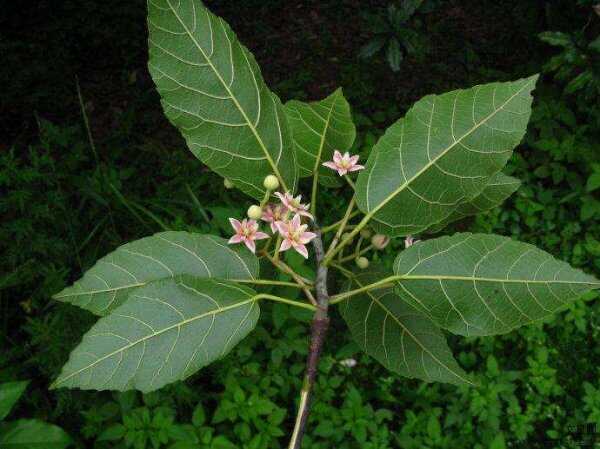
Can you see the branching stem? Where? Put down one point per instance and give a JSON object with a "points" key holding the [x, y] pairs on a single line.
{"points": [[319, 326], [340, 230]]}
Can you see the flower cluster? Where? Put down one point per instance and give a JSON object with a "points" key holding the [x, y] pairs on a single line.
{"points": [[284, 218]]}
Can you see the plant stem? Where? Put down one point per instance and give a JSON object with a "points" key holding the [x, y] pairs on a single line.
{"points": [[266, 282], [356, 254], [350, 182], [299, 279], [319, 326], [383, 283], [333, 251], [340, 229], [285, 301], [331, 227]]}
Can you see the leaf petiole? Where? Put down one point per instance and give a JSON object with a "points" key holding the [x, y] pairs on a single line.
{"points": [[290, 302]]}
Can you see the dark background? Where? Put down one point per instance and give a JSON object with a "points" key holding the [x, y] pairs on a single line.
{"points": [[67, 198]]}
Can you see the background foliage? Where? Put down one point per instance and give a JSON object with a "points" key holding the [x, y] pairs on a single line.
{"points": [[69, 197]]}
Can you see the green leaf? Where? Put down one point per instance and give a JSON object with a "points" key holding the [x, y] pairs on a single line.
{"points": [[319, 128], [441, 154], [32, 434], [396, 334], [394, 54], [372, 47], [212, 90], [165, 332], [477, 284], [593, 182], [493, 195], [10, 392], [556, 38], [166, 254]]}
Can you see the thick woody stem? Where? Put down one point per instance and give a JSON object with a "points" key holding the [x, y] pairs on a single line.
{"points": [[319, 327]]}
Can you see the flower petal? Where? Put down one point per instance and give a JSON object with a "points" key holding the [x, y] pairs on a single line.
{"points": [[285, 245], [235, 224], [282, 227], [356, 167], [331, 165], [354, 159], [250, 244], [306, 237], [235, 239], [260, 235], [337, 157], [302, 250], [296, 222]]}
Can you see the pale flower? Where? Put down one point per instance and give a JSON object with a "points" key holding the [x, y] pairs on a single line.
{"points": [[273, 213], [294, 235], [294, 204], [246, 232], [409, 241], [343, 164]]}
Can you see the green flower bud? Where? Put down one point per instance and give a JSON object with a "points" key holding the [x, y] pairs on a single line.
{"points": [[228, 184], [254, 212], [365, 233], [362, 263], [271, 182]]}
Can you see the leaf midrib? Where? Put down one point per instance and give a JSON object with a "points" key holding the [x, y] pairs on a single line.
{"points": [[401, 277], [423, 348], [152, 335], [443, 153], [233, 98]]}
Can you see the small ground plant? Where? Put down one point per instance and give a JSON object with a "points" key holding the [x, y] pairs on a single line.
{"points": [[174, 302]]}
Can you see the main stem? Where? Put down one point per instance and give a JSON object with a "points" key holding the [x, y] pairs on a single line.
{"points": [[319, 327]]}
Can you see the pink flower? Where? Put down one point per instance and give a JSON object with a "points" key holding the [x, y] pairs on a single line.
{"points": [[273, 213], [293, 204], [343, 164], [409, 241], [247, 232], [294, 235]]}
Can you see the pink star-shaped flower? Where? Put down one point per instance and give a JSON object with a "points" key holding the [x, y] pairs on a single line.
{"points": [[273, 213], [294, 235], [343, 164], [247, 232], [294, 204]]}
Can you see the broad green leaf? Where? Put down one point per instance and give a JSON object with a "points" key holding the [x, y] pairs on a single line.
{"points": [[477, 284], [164, 255], [494, 194], [212, 90], [165, 332], [32, 434], [10, 392], [441, 154], [319, 128], [397, 335]]}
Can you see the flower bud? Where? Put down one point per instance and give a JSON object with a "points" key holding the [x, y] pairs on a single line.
{"points": [[254, 212], [362, 263], [380, 241], [366, 233], [345, 235], [228, 184], [271, 182]]}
